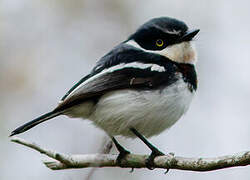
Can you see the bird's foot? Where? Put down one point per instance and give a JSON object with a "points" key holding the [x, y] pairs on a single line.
{"points": [[121, 156], [155, 152], [122, 152], [150, 160]]}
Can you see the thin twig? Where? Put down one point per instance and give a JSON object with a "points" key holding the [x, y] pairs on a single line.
{"points": [[62, 161], [105, 149]]}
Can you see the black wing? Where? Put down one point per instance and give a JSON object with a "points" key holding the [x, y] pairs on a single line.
{"points": [[126, 78]]}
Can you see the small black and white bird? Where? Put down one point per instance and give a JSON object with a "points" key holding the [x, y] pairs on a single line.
{"points": [[140, 88]]}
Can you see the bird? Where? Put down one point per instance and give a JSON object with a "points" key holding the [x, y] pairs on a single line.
{"points": [[140, 88]]}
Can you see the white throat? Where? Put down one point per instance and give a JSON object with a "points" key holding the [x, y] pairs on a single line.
{"points": [[183, 52]]}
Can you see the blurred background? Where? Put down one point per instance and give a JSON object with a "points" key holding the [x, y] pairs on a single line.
{"points": [[48, 45]]}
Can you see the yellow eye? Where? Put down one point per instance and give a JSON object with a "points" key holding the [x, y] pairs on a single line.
{"points": [[159, 42]]}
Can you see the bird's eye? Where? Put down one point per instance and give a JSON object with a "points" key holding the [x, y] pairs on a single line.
{"points": [[159, 42]]}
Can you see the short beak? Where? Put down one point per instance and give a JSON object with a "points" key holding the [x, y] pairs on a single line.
{"points": [[189, 35]]}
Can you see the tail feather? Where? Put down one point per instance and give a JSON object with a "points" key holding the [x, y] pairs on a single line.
{"points": [[35, 122]]}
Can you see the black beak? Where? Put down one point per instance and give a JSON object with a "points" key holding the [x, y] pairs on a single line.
{"points": [[188, 36]]}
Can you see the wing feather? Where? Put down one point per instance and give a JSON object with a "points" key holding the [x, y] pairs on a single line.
{"points": [[131, 78]]}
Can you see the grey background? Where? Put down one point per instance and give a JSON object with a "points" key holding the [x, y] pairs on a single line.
{"points": [[48, 45]]}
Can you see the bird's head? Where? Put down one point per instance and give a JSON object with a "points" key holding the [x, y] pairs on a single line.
{"points": [[168, 37]]}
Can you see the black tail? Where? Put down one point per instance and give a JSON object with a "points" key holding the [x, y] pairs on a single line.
{"points": [[35, 122]]}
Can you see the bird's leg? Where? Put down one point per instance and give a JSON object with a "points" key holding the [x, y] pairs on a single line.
{"points": [[155, 152], [122, 151]]}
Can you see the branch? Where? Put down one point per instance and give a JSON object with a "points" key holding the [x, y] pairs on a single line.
{"points": [[63, 161], [105, 149]]}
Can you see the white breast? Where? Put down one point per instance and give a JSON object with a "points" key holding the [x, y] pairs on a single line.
{"points": [[150, 112]]}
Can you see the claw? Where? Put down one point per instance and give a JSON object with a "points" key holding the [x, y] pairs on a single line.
{"points": [[122, 152], [121, 156], [150, 160]]}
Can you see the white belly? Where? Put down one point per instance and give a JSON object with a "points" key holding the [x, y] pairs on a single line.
{"points": [[149, 112]]}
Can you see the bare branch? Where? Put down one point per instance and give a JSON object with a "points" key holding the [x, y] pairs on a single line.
{"points": [[105, 149], [62, 161]]}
